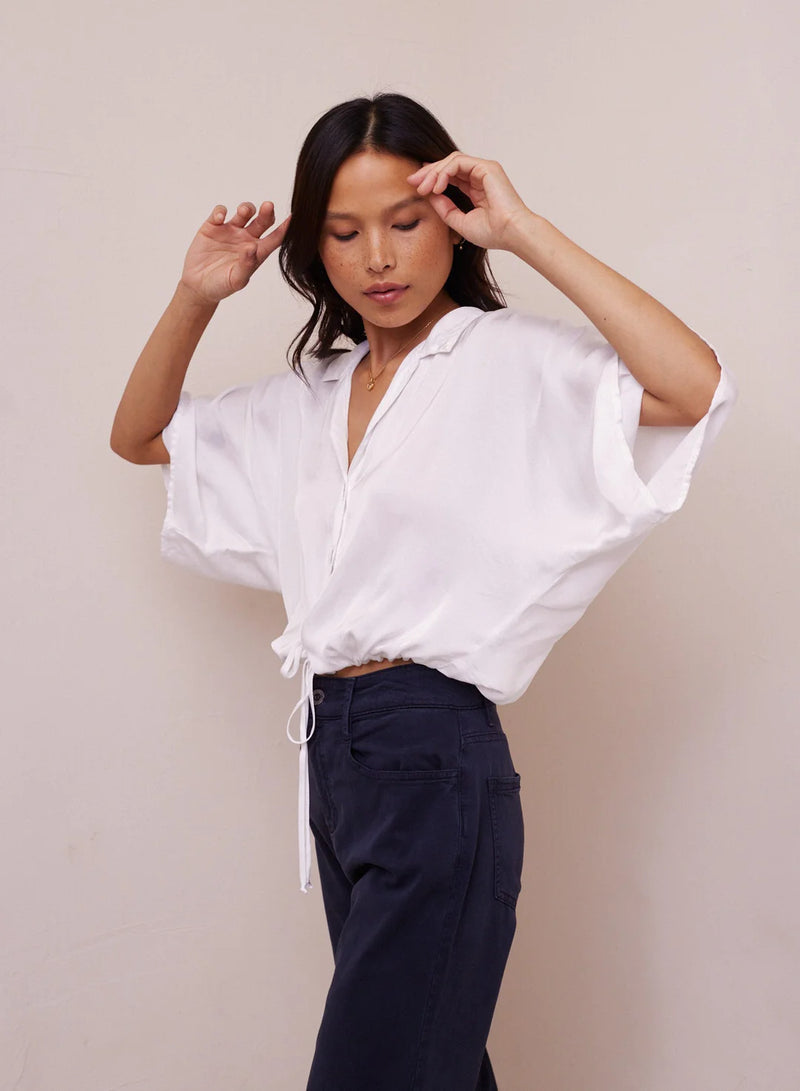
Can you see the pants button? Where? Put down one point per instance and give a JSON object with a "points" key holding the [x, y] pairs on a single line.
{"points": [[319, 696]]}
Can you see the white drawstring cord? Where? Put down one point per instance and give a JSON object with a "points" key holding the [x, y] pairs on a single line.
{"points": [[303, 820]]}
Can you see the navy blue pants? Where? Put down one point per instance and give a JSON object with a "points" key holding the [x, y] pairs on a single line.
{"points": [[417, 822]]}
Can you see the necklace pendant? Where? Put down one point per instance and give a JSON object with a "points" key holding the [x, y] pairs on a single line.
{"points": [[370, 384]]}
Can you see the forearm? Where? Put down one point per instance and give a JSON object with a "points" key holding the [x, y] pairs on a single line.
{"points": [[663, 354], [153, 389]]}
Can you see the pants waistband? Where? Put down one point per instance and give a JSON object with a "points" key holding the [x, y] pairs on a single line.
{"points": [[406, 683]]}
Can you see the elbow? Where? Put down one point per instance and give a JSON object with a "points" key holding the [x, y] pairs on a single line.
{"points": [[704, 399], [703, 390], [118, 446], [125, 450], [148, 453], [687, 412], [116, 440]]}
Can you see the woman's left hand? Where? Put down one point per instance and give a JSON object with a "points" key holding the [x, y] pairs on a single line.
{"points": [[498, 206]]}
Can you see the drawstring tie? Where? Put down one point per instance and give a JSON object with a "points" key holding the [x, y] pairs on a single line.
{"points": [[303, 822]]}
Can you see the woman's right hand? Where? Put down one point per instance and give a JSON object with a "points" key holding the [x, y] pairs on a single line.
{"points": [[223, 256]]}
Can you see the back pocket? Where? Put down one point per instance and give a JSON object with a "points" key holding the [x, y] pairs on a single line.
{"points": [[508, 833]]}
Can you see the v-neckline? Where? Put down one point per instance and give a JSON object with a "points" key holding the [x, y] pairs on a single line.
{"points": [[340, 432], [350, 403], [397, 383]]}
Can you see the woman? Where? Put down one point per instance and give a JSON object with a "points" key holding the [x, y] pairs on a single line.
{"points": [[437, 505]]}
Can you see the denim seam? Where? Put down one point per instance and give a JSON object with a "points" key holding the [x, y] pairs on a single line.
{"points": [[330, 806], [448, 930], [413, 704]]}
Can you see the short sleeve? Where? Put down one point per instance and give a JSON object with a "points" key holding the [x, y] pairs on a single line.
{"points": [[222, 484], [642, 473]]}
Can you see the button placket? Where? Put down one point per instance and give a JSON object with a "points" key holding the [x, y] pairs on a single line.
{"points": [[341, 513]]}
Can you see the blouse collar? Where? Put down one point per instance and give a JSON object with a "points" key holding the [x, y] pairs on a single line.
{"points": [[440, 339]]}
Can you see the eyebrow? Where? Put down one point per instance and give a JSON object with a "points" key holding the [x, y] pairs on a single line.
{"points": [[392, 208]]}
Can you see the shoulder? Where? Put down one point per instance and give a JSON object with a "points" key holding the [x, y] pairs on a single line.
{"points": [[284, 388], [264, 395], [509, 327], [539, 338], [287, 399], [509, 335]]}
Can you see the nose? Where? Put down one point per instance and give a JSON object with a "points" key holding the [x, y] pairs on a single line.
{"points": [[379, 252]]}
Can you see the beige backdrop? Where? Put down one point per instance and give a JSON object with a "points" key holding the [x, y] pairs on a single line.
{"points": [[153, 933]]}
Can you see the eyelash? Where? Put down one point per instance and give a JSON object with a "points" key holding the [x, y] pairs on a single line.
{"points": [[401, 227]]}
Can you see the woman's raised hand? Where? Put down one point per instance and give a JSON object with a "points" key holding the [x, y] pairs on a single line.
{"points": [[223, 256], [498, 208]]}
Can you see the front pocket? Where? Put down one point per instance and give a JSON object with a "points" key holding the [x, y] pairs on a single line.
{"points": [[415, 742], [508, 834]]}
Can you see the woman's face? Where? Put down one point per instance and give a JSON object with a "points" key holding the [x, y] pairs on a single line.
{"points": [[373, 239]]}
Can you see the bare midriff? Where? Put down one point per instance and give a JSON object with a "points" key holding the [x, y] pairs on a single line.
{"points": [[368, 667]]}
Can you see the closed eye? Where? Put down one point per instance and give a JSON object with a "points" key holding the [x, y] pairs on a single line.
{"points": [[400, 227]]}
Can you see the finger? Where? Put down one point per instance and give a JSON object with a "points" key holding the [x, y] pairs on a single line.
{"points": [[449, 173], [272, 241], [217, 214], [434, 181], [440, 175], [430, 168], [447, 211], [427, 176], [418, 174], [266, 216], [242, 214], [240, 273], [437, 162]]}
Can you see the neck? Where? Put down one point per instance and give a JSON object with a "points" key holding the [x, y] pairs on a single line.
{"points": [[385, 342]]}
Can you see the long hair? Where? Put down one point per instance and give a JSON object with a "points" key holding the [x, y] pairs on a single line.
{"points": [[391, 123]]}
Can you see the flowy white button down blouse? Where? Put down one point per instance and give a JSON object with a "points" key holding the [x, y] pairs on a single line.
{"points": [[493, 495]]}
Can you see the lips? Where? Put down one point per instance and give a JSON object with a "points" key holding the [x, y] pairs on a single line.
{"points": [[385, 294], [381, 288]]}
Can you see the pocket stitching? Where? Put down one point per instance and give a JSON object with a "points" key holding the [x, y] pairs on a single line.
{"points": [[509, 786], [419, 776], [356, 716]]}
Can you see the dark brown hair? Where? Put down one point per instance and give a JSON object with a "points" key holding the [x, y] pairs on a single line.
{"points": [[391, 123]]}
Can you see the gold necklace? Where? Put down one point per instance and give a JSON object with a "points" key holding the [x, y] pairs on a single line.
{"points": [[372, 377]]}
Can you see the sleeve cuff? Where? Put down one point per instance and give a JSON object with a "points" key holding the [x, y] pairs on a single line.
{"points": [[666, 489], [171, 437]]}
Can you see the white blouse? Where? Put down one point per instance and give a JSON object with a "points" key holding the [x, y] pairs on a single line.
{"points": [[493, 495]]}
